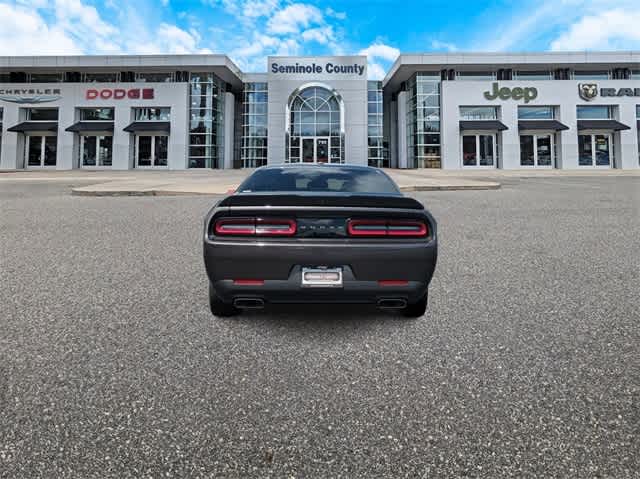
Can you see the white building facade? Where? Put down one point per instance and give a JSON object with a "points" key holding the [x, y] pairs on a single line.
{"points": [[454, 111]]}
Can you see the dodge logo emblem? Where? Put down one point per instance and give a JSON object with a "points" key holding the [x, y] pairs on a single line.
{"points": [[587, 91]]}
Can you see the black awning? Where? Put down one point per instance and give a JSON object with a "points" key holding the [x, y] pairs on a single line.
{"points": [[541, 125], [91, 126], [602, 125], [136, 126], [491, 125], [35, 126]]}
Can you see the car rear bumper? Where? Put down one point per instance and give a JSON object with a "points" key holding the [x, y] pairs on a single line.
{"points": [[279, 265]]}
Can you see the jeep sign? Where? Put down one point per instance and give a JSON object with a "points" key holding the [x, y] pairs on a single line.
{"points": [[517, 93]]}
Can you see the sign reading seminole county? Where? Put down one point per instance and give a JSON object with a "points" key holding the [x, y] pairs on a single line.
{"points": [[314, 68]]}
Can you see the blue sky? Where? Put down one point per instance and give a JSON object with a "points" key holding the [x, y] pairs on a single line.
{"points": [[249, 30]]}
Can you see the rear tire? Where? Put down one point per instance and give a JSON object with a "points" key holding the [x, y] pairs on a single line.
{"points": [[416, 310], [219, 308]]}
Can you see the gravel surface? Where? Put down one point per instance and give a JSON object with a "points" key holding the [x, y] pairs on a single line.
{"points": [[526, 365]]}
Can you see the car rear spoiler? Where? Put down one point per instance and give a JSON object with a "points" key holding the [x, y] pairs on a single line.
{"points": [[337, 200]]}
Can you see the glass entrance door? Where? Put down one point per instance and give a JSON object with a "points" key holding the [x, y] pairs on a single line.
{"points": [[322, 150], [536, 150], [595, 150], [315, 150], [151, 151], [96, 150], [479, 150], [41, 151]]}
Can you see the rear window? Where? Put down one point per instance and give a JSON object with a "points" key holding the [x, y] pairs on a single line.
{"points": [[319, 179]]}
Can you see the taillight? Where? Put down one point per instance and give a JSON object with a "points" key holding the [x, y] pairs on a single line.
{"points": [[255, 227], [378, 228]]}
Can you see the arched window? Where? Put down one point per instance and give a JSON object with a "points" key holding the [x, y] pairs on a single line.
{"points": [[315, 126]]}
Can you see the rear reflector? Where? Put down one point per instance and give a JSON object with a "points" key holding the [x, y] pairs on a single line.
{"points": [[376, 228], [393, 282], [255, 227], [248, 282]]}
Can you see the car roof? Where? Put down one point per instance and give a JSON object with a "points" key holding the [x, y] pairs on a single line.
{"points": [[318, 166]]}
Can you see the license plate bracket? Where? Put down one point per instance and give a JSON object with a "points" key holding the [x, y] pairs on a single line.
{"points": [[322, 277]]}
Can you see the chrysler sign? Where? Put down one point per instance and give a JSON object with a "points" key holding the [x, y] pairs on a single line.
{"points": [[120, 94], [30, 95]]}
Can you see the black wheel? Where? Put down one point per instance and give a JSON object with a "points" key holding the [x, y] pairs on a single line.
{"points": [[218, 308], [416, 310]]}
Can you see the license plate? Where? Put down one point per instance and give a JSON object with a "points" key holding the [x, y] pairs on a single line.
{"points": [[322, 277]]}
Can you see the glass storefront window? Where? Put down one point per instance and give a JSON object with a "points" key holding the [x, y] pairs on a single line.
{"points": [[536, 150], [206, 123], [152, 114], [478, 76], [96, 150], [42, 114], [592, 75], [154, 77], [478, 113], [100, 77], [423, 120], [533, 75], [315, 120], [376, 156], [46, 77], [594, 112], [97, 114], [536, 112]]}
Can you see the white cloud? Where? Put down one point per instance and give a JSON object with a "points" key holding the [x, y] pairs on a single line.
{"points": [[379, 51], [332, 13], [614, 29], [438, 45], [293, 18], [259, 8], [322, 35], [24, 32], [171, 39]]}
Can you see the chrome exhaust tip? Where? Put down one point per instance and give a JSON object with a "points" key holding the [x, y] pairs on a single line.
{"points": [[248, 303]]}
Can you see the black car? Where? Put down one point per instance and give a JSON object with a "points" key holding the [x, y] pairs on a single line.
{"points": [[319, 234]]}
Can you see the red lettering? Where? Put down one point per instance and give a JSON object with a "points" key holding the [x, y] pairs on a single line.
{"points": [[119, 94], [147, 93], [133, 94], [92, 94], [106, 94]]}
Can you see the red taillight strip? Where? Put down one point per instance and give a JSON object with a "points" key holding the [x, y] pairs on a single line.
{"points": [[393, 282], [255, 227], [407, 228], [248, 282], [376, 228], [367, 228], [275, 227], [235, 226]]}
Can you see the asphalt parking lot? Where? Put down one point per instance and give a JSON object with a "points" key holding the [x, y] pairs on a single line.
{"points": [[526, 365]]}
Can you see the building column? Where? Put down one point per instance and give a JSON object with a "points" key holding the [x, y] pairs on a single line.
{"points": [[393, 134], [568, 139], [10, 149], [509, 156], [627, 152], [402, 130], [229, 123]]}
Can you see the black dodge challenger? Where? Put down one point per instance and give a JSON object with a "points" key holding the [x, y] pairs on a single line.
{"points": [[319, 234]]}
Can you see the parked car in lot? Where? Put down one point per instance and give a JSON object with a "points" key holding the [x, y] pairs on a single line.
{"points": [[319, 234]]}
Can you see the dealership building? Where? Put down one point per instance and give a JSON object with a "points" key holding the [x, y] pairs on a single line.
{"points": [[449, 111]]}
